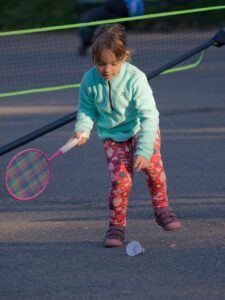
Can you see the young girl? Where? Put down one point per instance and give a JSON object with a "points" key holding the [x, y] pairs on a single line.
{"points": [[116, 95]]}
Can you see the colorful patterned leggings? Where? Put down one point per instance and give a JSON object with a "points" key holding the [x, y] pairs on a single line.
{"points": [[120, 164]]}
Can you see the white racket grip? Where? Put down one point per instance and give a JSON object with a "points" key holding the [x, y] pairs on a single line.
{"points": [[72, 143]]}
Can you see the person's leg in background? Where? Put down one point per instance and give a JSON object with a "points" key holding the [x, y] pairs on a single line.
{"points": [[86, 33], [109, 10]]}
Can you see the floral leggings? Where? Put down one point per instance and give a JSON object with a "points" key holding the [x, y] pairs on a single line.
{"points": [[120, 164]]}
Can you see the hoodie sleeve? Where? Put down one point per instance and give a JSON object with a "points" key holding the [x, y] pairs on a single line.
{"points": [[148, 116], [86, 109]]}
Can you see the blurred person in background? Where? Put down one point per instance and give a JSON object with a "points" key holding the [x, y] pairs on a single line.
{"points": [[111, 9]]}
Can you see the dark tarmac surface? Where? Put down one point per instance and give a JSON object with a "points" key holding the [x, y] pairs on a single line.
{"points": [[51, 248]]}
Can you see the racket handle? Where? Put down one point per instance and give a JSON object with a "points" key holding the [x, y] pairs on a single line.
{"points": [[71, 143]]}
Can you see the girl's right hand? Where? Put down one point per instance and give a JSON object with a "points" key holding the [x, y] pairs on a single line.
{"points": [[83, 140]]}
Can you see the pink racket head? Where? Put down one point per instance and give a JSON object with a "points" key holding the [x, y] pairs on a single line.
{"points": [[27, 174]]}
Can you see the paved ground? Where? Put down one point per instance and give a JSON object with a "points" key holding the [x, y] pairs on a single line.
{"points": [[51, 248]]}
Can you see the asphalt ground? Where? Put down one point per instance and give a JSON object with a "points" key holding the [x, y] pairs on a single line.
{"points": [[51, 248]]}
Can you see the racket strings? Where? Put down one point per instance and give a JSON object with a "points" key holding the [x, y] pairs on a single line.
{"points": [[28, 174]]}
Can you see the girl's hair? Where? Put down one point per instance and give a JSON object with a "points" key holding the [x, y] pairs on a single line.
{"points": [[112, 37]]}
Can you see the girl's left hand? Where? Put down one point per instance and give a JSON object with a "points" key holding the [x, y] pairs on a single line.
{"points": [[140, 163]]}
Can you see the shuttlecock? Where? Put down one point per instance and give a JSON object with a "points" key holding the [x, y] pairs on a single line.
{"points": [[134, 248]]}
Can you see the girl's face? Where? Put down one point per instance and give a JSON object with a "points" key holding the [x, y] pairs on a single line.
{"points": [[108, 65]]}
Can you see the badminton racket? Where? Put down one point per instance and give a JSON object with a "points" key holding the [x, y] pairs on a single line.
{"points": [[29, 172]]}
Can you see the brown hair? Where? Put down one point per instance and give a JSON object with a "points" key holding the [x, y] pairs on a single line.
{"points": [[112, 37]]}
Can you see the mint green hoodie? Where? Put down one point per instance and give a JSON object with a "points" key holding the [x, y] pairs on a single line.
{"points": [[122, 107]]}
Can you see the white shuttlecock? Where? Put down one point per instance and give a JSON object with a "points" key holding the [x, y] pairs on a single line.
{"points": [[134, 248]]}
